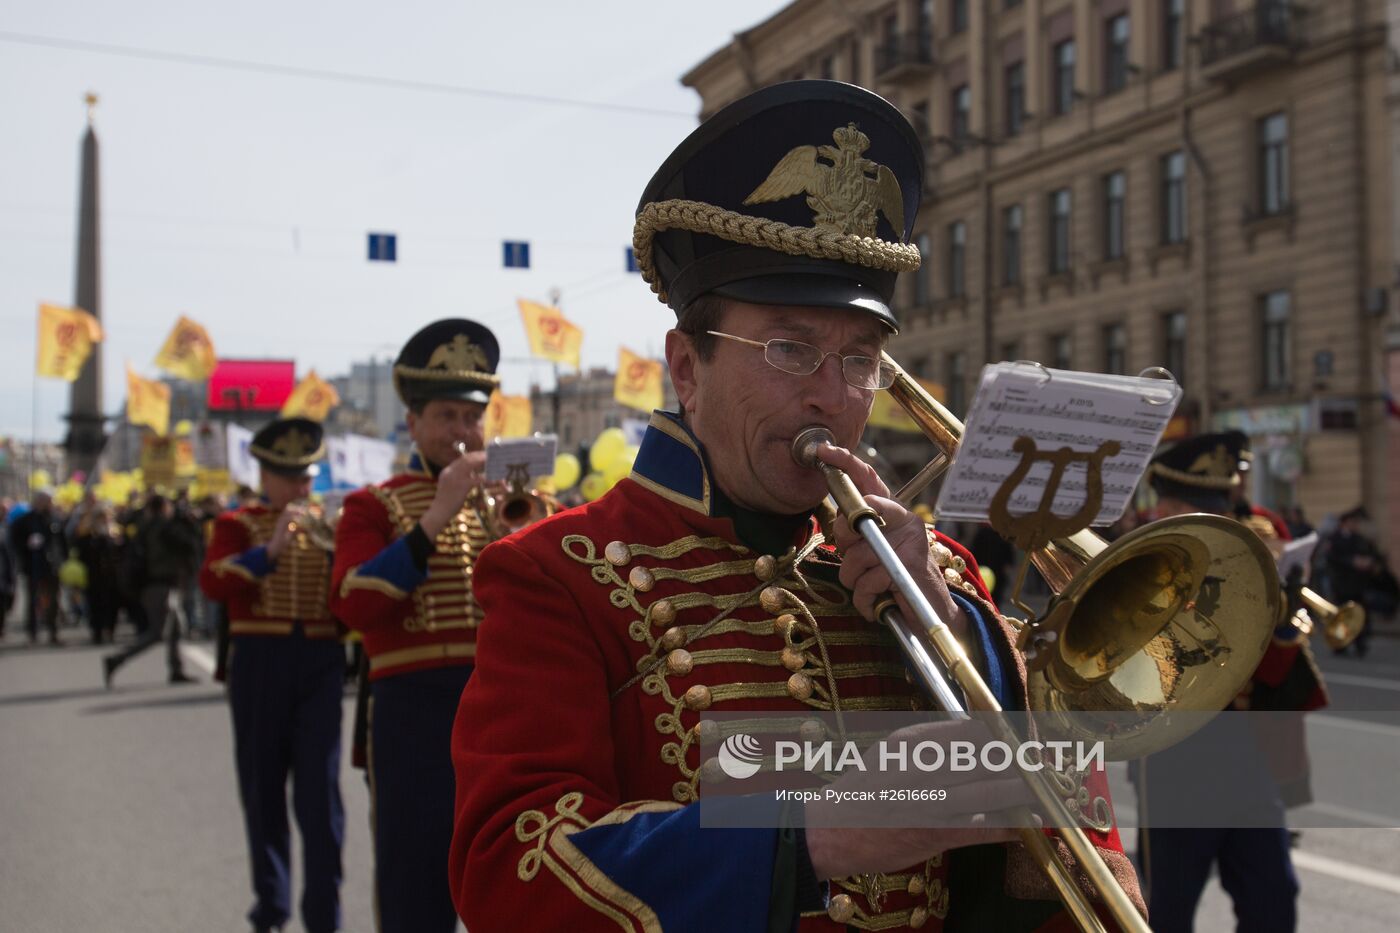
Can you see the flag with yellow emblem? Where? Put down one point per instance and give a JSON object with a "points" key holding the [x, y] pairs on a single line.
{"points": [[188, 353], [66, 338], [552, 336], [638, 381], [147, 402], [886, 413], [507, 416], [313, 398]]}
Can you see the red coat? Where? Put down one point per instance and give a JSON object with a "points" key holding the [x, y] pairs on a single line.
{"points": [[410, 617], [576, 758], [263, 598]]}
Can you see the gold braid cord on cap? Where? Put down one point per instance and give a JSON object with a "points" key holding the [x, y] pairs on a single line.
{"points": [[699, 217]]}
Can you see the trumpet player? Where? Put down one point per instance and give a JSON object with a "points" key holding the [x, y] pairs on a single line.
{"points": [[405, 556], [285, 675], [701, 584]]}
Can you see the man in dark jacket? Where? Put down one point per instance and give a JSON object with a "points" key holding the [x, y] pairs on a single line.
{"points": [[163, 541], [9, 576], [37, 541]]}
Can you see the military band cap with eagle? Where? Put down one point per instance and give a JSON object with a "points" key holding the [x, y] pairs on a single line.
{"points": [[449, 359], [1201, 470], [289, 446], [802, 193]]}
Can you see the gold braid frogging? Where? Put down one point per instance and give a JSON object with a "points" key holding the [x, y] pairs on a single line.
{"points": [[699, 217]]}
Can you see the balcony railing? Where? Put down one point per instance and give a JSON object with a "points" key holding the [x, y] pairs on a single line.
{"points": [[1270, 31], [897, 56]]}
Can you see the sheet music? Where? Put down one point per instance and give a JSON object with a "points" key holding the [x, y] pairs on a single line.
{"points": [[1057, 408], [536, 453], [1297, 553]]}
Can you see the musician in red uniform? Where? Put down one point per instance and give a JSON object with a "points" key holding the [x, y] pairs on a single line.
{"points": [[404, 557], [285, 678], [701, 584], [1202, 474]]}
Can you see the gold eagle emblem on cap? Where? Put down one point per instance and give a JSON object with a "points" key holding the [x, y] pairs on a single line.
{"points": [[1217, 462], [459, 354], [845, 194], [292, 444]]}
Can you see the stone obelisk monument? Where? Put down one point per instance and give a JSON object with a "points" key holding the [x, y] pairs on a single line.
{"points": [[85, 418]]}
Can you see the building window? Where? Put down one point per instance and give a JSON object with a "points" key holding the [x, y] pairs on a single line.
{"points": [[921, 277], [1115, 349], [1061, 352], [855, 59], [1011, 218], [1062, 79], [1273, 164], [961, 113], [1115, 53], [959, 16], [956, 383], [1173, 34], [1010, 351], [1115, 191], [1174, 198], [924, 25], [1015, 98], [957, 259], [1058, 233], [1174, 344], [828, 67], [1275, 309]]}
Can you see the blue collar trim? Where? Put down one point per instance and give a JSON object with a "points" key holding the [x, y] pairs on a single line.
{"points": [[671, 464]]}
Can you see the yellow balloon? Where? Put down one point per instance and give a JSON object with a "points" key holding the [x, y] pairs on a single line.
{"points": [[40, 479], [184, 427], [620, 466], [593, 486], [566, 471], [608, 446]]}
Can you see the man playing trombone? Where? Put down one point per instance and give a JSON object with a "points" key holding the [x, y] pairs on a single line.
{"points": [[286, 673], [405, 552], [700, 583]]}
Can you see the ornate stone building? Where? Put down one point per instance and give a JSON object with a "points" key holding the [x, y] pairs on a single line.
{"points": [[1115, 184]]}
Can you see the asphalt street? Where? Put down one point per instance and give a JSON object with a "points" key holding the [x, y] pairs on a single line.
{"points": [[120, 811]]}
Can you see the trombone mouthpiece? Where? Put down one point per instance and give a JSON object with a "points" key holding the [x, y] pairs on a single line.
{"points": [[805, 444], [461, 448]]}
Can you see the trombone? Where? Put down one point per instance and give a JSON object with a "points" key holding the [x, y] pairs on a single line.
{"points": [[1174, 616]]}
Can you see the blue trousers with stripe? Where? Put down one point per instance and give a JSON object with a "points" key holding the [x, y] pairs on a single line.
{"points": [[285, 695], [411, 779]]}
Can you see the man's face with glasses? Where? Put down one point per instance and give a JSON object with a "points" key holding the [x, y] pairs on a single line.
{"points": [[775, 371]]}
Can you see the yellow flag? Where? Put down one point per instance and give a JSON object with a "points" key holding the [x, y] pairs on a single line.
{"points": [[551, 335], [66, 336], [313, 398], [886, 413], [638, 381], [507, 416], [188, 352], [147, 402]]}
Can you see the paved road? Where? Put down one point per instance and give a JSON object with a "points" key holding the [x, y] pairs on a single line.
{"points": [[118, 810]]}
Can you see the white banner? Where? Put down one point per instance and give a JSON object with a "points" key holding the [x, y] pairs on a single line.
{"points": [[210, 445], [242, 468], [357, 460]]}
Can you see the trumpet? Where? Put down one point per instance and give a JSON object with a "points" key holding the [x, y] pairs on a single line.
{"points": [[1174, 616], [1341, 625], [518, 508], [316, 525]]}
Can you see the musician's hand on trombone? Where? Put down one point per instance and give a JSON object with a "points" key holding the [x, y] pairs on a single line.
{"points": [[861, 571], [455, 485], [907, 833]]}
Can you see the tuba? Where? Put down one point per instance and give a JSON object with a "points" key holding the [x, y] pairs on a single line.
{"points": [[1174, 616]]}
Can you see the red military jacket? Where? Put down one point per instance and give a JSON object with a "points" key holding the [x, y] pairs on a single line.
{"points": [[410, 618], [609, 629], [263, 598]]}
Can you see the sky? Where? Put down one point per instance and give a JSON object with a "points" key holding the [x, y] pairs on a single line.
{"points": [[243, 198]]}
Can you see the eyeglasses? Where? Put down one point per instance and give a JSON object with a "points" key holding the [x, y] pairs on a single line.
{"points": [[803, 359]]}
